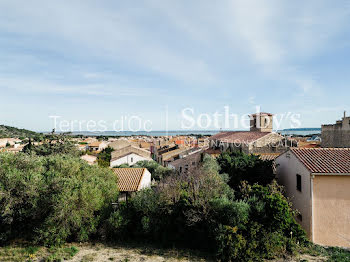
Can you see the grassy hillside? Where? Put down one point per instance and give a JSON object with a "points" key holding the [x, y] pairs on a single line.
{"points": [[8, 131]]}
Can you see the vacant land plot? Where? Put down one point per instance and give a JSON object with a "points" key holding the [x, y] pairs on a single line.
{"points": [[78, 252]]}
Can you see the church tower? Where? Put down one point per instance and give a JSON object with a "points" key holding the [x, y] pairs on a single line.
{"points": [[261, 122]]}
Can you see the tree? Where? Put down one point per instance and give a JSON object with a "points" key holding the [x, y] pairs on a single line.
{"points": [[104, 157], [53, 199], [54, 146], [243, 167], [158, 171]]}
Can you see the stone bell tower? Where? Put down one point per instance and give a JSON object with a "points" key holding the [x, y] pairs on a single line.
{"points": [[261, 122]]}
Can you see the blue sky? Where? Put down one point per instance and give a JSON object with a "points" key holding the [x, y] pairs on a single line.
{"points": [[101, 60]]}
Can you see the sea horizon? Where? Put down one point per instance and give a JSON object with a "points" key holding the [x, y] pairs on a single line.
{"points": [[289, 131]]}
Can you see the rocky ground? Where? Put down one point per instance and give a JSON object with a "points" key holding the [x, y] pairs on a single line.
{"points": [[103, 253]]}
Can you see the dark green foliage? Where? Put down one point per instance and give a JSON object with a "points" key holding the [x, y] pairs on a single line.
{"points": [[201, 211], [158, 171], [269, 231], [52, 147], [242, 167], [126, 165], [60, 198], [104, 157], [52, 199], [8, 131]]}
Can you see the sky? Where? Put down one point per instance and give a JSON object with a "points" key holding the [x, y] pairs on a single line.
{"points": [[151, 61]]}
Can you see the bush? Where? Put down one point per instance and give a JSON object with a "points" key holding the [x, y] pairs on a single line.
{"points": [[270, 230], [243, 167], [53, 199], [199, 210], [55, 146], [158, 171], [104, 157]]}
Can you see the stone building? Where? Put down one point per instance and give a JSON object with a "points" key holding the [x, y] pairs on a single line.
{"points": [[259, 140], [338, 134], [188, 161]]}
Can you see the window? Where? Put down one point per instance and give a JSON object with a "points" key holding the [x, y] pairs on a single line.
{"points": [[132, 160], [193, 163], [299, 183], [180, 169]]}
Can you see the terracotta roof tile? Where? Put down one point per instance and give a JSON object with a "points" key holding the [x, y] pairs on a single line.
{"points": [[129, 150], [324, 160], [239, 136], [129, 178], [95, 144], [268, 156]]}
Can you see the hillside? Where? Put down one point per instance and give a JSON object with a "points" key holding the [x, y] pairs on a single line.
{"points": [[8, 131]]}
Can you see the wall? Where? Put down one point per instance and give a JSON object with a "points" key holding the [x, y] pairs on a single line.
{"points": [[287, 169], [258, 123], [331, 200], [337, 135], [127, 160], [271, 143], [146, 180], [187, 163]]}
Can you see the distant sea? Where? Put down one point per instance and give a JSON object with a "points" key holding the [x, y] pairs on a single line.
{"points": [[296, 131]]}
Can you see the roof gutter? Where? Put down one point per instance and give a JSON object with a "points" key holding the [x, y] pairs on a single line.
{"points": [[330, 174]]}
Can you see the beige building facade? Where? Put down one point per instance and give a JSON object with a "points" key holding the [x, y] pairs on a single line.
{"points": [[317, 181]]}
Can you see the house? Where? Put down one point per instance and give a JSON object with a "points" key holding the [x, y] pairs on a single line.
{"points": [[189, 161], [89, 158], [260, 139], [337, 135], [3, 142], [129, 155], [213, 152], [131, 180], [97, 146], [170, 156], [82, 147], [317, 180], [119, 144], [157, 151]]}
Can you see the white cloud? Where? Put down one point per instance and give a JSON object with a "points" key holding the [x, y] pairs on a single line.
{"points": [[278, 36], [43, 86], [101, 32]]}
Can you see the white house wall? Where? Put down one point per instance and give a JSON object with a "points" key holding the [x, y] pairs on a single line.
{"points": [[146, 180], [130, 159]]}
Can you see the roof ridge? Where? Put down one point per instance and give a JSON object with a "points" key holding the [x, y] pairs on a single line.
{"points": [[321, 148]]}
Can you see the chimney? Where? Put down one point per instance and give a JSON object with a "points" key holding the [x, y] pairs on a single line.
{"points": [[344, 114]]}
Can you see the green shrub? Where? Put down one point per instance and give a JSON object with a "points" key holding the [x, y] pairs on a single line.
{"points": [[158, 171], [243, 167], [53, 199], [104, 157], [230, 244], [54, 146]]}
